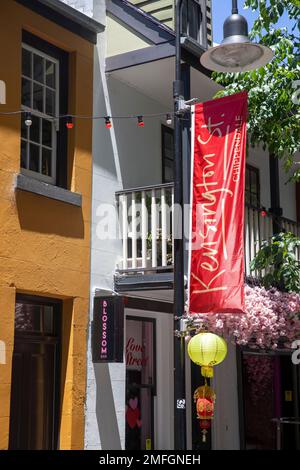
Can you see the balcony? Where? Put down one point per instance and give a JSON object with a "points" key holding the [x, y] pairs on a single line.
{"points": [[147, 228]]}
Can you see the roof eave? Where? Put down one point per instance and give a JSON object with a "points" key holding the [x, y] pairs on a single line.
{"points": [[67, 17]]}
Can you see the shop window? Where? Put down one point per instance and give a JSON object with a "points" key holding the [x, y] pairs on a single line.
{"points": [[252, 188], [140, 383], [44, 75]]}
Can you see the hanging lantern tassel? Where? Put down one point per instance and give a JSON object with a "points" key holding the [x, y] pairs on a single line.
{"points": [[205, 398]]}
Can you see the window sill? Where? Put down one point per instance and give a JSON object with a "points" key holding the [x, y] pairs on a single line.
{"points": [[31, 185]]}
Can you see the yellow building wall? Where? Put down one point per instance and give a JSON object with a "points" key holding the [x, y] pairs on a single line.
{"points": [[45, 244]]}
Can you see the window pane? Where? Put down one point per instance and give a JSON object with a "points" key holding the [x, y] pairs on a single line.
{"points": [[254, 200], [168, 169], [50, 74], [28, 317], [247, 197], [34, 158], [48, 319], [254, 182], [252, 186], [26, 63], [50, 102], [23, 154], [194, 13], [247, 179], [46, 161], [26, 92], [47, 133], [168, 172], [38, 97], [39, 86], [169, 154], [35, 129], [38, 68], [168, 140]]}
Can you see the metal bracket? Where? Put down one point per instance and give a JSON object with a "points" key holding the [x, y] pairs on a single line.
{"points": [[192, 101], [185, 106], [182, 332], [183, 324]]}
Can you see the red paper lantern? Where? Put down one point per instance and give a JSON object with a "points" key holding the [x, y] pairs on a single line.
{"points": [[205, 401], [205, 408]]}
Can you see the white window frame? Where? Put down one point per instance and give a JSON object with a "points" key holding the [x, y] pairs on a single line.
{"points": [[2, 92], [34, 112]]}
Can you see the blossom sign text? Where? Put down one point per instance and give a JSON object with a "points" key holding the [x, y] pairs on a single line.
{"points": [[108, 329]]}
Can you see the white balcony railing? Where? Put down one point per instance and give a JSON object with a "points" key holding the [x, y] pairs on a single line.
{"points": [[146, 224]]}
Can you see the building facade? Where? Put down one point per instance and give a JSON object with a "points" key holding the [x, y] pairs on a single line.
{"points": [[47, 53], [115, 241], [130, 404]]}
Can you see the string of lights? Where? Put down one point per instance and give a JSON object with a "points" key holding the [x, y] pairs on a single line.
{"points": [[70, 118]]}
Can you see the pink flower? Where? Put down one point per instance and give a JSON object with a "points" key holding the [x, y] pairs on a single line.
{"points": [[270, 317]]}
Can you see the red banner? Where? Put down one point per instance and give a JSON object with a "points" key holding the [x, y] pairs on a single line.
{"points": [[216, 274]]}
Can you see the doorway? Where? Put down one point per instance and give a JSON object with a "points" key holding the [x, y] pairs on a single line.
{"points": [[140, 383], [34, 408], [269, 392]]}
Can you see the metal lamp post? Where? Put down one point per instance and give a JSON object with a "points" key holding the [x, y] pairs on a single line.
{"points": [[236, 54]]}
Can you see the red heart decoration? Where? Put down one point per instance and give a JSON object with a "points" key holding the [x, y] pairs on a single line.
{"points": [[132, 417], [133, 403]]}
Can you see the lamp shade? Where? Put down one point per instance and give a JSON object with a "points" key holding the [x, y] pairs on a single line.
{"points": [[236, 53], [207, 350]]}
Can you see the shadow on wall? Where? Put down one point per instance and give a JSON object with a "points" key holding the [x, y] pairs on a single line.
{"points": [[42, 215], [105, 150], [105, 409]]}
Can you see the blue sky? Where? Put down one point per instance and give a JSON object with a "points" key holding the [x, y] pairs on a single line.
{"points": [[222, 9]]}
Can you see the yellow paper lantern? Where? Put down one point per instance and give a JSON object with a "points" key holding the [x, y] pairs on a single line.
{"points": [[207, 350]]}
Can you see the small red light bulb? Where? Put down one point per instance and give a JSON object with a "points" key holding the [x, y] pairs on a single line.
{"points": [[108, 123], [263, 213], [141, 121], [69, 123]]}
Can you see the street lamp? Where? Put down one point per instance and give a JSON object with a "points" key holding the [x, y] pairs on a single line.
{"points": [[235, 54]]}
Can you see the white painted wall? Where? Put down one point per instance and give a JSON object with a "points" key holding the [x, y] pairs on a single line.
{"points": [[105, 404], [287, 194], [225, 427], [125, 156], [84, 6], [259, 158], [139, 149]]}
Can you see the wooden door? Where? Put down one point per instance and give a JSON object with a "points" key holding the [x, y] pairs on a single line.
{"points": [[35, 377]]}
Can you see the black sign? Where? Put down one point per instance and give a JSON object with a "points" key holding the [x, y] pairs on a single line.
{"points": [[108, 329]]}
